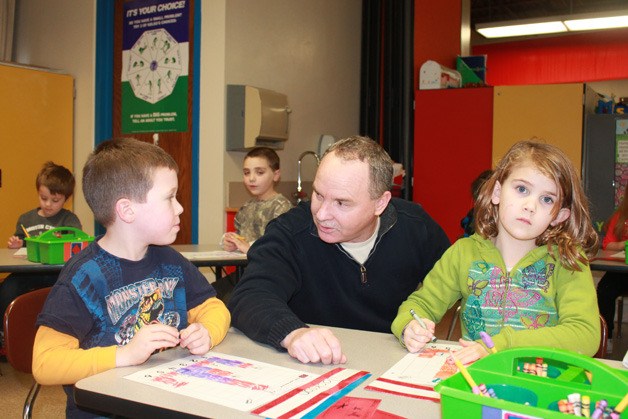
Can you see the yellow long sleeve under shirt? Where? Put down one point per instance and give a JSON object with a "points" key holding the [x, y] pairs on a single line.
{"points": [[58, 359]]}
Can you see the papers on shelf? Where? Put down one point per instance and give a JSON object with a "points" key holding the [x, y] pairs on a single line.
{"points": [[214, 254], [619, 255], [21, 253], [415, 375], [252, 386]]}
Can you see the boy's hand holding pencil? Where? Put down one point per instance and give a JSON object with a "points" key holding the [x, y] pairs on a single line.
{"points": [[15, 242]]}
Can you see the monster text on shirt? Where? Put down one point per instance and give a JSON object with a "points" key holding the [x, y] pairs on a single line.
{"points": [[122, 299]]}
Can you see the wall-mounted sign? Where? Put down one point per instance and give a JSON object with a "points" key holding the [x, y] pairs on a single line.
{"points": [[155, 51]]}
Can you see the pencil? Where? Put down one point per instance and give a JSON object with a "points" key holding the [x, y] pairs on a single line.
{"points": [[421, 322], [24, 230], [622, 404], [466, 375], [488, 341]]}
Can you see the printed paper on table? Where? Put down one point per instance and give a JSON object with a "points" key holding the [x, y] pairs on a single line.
{"points": [[415, 375], [248, 385]]}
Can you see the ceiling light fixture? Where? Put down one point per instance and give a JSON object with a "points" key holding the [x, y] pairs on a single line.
{"points": [[557, 24]]}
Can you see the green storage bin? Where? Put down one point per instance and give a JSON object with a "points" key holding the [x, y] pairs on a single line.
{"points": [[568, 373], [56, 246]]}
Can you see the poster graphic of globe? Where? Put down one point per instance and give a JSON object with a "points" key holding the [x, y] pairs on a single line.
{"points": [[154, 65]]}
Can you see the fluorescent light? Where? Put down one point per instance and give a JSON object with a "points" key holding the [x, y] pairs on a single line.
{"points": [[555, 24], [522, 29], [597, 23]]}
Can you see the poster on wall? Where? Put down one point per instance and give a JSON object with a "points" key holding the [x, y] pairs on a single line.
{"points": [[621, 159], [155, 57]]}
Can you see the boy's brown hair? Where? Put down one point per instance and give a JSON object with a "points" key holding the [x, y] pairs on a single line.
{"points": [[57, 179], [121, 168], [267, 153]]}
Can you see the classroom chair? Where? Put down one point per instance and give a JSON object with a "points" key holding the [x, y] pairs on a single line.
{"points": [[19, 336], [601, 351]]}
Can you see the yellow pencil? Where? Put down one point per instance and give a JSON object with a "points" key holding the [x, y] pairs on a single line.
{"points": [[466, 375], [622, 404], [24, 230]]}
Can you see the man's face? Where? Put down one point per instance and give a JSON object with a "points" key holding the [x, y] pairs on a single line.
{"points": [[342, 208]]}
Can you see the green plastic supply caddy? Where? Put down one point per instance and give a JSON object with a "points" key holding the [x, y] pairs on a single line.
{"points": [[523, 395], [56, 246]]}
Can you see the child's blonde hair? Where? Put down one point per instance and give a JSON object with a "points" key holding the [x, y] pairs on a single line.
{"points": [[567, 237]]}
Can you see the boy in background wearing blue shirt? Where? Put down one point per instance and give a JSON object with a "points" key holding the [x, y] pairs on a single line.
{"points": [[128, 293]]}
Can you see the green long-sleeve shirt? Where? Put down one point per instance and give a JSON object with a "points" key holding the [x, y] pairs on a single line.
{"points": [[538, 303]]}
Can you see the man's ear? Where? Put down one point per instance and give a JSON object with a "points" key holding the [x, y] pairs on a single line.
{"points": [[497, 191], [562, 215], [382, 202], [124, 210]]}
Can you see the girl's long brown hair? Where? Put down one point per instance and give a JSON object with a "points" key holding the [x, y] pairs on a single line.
{"points": [[566, 237]]}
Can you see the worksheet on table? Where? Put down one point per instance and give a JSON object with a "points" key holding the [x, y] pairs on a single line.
{"points": [[416, 374], [247, 385]]}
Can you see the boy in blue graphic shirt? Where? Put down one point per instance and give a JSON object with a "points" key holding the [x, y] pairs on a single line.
{"points": [[128, 294]]}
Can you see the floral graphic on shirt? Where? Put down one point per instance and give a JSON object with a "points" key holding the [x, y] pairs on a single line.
{"points": [[535, 322], [520, 299], [537, 274], [472, 317], [509, 300]]}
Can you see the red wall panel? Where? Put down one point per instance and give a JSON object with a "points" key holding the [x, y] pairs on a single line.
{"points": [[582, 57], [453, 137], [436, 33]]}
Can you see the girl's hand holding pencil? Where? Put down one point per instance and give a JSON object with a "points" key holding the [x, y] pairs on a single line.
{"points": [[418, 333]]}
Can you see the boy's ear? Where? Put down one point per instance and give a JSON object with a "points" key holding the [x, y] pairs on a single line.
{"points": [[497, 191], [125, 210], [276, 175], [562, 215]]}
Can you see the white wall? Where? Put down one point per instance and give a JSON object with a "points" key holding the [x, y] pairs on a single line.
{"points": [[619, 88], [309, 50], [60, 34]]}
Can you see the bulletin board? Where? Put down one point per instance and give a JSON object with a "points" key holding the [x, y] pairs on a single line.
{"points": [[621, 159]]}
